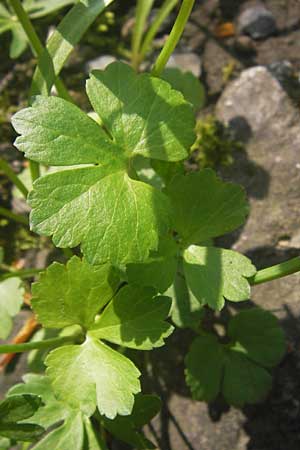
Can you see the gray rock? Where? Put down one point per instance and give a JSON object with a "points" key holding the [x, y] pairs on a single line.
{"points": [[99, 63], [257, 21], [188, 62], [260, 111]]}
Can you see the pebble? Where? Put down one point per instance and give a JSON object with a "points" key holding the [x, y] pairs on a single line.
{"points": [[188, 62], [257, 21], [99, 63]]}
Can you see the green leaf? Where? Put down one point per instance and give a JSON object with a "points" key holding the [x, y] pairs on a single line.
{"points": [[187, 84], [135, 319], [15, 409], [127, 428], [115, 218], [92, 374], [76, 290], [159, 270], [18, 407], [19, 41], [186, 311], [205, 207], [11, 299], [53, 410], [215, 274], [21, 431], [244, 381], [69, 435], [55, 122], [51, 414], [62, 42], [112, 216], [258, 334], [142, 113], [204, 367]]}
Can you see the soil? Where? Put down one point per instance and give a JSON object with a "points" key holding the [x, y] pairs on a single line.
{"points": [[268, 171]]}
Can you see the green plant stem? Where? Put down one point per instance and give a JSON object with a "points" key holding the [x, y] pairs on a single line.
{"points": [[160, 17], [34, 168], [277, 271], [37, 46], [47, 343], [142, 11], [26, 273], [15, 217], [5, 167], [175, 35]]}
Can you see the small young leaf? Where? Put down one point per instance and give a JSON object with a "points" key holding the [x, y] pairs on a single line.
{"points": [[11, 299], [204, 367], [135, 319], [214, 274], [127, 428], [93, 374], [72, 294], [159, 270], [142, 113], [18, 407], [205, 207], [187, 84], [259, 335], [244, 381]]}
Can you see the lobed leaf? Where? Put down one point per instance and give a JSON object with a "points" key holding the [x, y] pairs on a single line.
{"points": [[204, 206], [142, 113], [73, 293], [92, 374], [69, 434], [238, 372], [244, 381], [258, 334], [159, 270], [215, 274], [127, 428], [115, 218], [204, 367], [135, 318], [57, 133], [186, 83]]}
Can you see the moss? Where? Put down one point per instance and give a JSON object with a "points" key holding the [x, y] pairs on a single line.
{"points": [[215, 145]]}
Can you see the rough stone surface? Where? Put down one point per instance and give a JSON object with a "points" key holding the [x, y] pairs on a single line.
{"points": [[99, 63], [188, 62], [260, 112], [257, 21]]}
